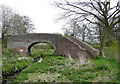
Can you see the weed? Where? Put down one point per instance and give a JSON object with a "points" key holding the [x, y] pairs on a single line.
{"points": [[52, 69], [59, 69], [22, 77]]}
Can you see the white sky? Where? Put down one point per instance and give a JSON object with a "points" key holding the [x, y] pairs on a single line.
{"points": [[41, 12]]}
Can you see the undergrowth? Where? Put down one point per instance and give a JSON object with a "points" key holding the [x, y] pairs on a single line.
{"points": [[60, 69], [11, 63]]}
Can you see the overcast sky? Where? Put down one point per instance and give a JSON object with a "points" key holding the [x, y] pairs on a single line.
{"points": [[41, 12]]}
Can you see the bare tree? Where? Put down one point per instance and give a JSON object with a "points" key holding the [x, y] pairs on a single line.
{"points": [[20, 25], [90, 11], [78, 30], [13, 23], [7, 13]]}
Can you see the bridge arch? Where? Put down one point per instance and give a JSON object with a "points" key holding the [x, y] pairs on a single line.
{"points": [[62, 45], [28, 49]]}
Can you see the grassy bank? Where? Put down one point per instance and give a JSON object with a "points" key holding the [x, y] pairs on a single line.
{"points": [[59, 69], [11, 63]]}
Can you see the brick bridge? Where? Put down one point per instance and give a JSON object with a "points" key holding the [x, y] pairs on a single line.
{"points": [[62, 45]]}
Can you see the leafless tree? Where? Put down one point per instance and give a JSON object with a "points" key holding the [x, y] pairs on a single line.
{"points": [[13, 23], [20, 25], [78, 30], [7, 13], [95, 11]]}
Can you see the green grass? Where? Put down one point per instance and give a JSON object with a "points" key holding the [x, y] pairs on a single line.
{"points": [[11, 64], [37, 52], [59, 69], [107, 68]]}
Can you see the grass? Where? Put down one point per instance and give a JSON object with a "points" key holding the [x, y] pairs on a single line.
{"points": [[37, 52], [59, 69], [11, 64]]}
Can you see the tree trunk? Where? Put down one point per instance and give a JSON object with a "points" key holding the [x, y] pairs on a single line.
{"points": [[83, 35], [4, 43], [119, 47], [103, 42]]}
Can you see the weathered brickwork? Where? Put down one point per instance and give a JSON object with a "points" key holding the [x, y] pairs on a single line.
{"points": [[20, 50], [62, 45]]}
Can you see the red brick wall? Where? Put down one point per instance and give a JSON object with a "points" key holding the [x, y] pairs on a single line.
{"points": [[20, 50]]}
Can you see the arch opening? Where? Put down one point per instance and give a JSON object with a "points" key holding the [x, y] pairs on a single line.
{"points": [[41, 48]]}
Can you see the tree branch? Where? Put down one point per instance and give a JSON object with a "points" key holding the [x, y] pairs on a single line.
{"points": [[86, 12], [94, 22], [117, 10], [96, 8]]}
